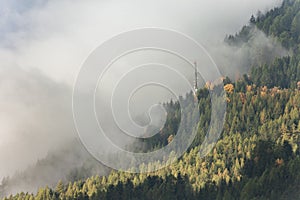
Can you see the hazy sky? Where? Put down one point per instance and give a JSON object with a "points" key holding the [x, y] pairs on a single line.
{"points": [[56, 36], [43, 44]]}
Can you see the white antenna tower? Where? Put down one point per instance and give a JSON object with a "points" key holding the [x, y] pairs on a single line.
{"points": [[196, 78]]}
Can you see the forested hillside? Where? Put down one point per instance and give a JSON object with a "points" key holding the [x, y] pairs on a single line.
{"points": [[258, 154]]}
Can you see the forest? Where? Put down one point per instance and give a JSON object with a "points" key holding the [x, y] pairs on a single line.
{"points": [[258, 154]]}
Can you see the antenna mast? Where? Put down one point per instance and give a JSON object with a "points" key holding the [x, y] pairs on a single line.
{"points": [[196, 78]]}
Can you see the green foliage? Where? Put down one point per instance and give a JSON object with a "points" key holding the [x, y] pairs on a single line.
{"points": [[282, 23], [283, 72]]}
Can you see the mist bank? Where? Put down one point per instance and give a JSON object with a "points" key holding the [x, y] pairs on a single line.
{"points": [[254, 48], [35, 117], [70, 162]]}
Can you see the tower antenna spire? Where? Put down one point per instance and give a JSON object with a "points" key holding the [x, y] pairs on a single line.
{"points": [[196, 78]]}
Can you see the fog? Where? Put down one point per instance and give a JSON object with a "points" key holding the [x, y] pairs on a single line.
{"points": [[43, 44]]}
